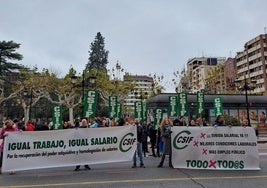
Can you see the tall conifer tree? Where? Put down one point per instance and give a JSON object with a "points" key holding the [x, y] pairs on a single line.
{"points": [[7, 53], [98, 56]]}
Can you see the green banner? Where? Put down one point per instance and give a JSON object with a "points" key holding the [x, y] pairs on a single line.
{"points": [[57, 118], [119, 110], [113, 100], [158, 118], [182, 104], [144, 111], [218, 107], [90, 104], [172, 107], [138, 110], [200, 103]]}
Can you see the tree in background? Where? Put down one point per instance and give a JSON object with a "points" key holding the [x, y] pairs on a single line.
{"points": [[215, 81], [7, 54], [30, 89], [110, 84], [181, 81], [157, 86], [8, 76], [98, 56], [64, 92]]}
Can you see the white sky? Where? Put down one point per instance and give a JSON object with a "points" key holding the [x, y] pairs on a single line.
{"points": [[145, 36]]}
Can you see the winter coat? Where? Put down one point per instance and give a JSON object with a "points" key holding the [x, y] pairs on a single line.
{"points": [[2, 136], [166, 138]]}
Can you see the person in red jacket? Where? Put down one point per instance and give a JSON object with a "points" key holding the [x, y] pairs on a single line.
{"points": [[30, 126]]}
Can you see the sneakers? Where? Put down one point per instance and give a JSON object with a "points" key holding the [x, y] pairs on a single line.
{"points": [[87, 167], [142, 166], [77, 168], [12, 173]]}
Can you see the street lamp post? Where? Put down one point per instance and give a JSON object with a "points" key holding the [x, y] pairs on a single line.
{"points": [[92, 84], [247, 86]]}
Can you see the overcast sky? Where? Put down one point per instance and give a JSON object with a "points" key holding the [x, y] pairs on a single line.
{"points": [[144, 36]]}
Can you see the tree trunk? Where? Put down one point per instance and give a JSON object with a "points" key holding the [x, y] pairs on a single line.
{"points": [[71, 115], [26, 114]]}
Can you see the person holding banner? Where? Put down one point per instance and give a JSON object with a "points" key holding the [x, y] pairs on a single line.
{"points": [[84, 124], [182, 121], [9, 126], [140, 138], [200, 122], [166, 131], [219, 121], [192, 123], [246, 124]]}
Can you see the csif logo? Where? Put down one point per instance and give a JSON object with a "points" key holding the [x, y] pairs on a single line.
{"points": [[127, 142], [182, 139]]}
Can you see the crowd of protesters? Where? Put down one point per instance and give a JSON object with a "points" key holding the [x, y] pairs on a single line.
{"points": [[159, 138]]}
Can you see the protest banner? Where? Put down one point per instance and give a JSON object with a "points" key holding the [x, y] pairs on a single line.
{"points": [[70, 147], [213, 148]]}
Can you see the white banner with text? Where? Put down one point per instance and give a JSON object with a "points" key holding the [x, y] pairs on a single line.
{"points": [[218, 148], [70, 147]]}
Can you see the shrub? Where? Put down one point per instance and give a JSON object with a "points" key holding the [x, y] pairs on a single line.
{"points": [[230, 120]]}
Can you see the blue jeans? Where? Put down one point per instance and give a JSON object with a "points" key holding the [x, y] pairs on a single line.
{"points": [[139, 153]]}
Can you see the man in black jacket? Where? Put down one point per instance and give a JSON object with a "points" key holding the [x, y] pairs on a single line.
{"points": [[140, 138]]}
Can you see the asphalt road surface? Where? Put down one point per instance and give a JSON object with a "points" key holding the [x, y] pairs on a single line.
{"points": [[120, 175]]}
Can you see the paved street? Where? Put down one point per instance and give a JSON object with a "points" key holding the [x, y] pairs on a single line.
{"points": [[122, 175]]}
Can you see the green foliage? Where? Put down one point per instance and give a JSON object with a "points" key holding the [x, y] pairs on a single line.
{"points": [[98, 56], [7, 54], [230, 120]]}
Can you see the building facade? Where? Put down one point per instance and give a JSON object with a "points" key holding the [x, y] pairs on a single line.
{"points": [[230, 75], [143, 87], [198, 71], [252, 61]]}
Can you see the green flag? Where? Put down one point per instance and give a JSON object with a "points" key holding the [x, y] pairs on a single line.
{"points": [[218, 108], [90, 104], [182, 104], [57, 118], [172, 107], [200, 103], [144, 111], [158, 118], [138, 110], [113, 100], [119, 110]]}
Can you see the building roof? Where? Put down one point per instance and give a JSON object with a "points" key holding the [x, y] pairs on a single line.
{"points": [[138, 78], [228, 100]]}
